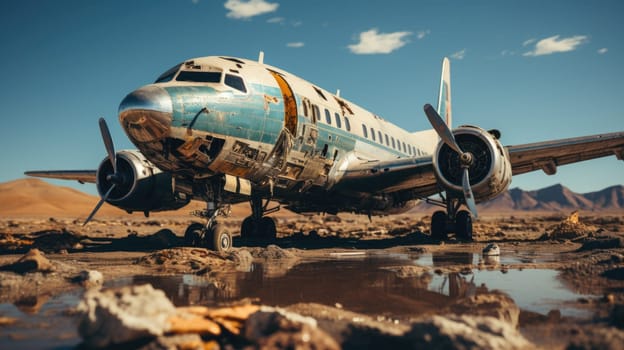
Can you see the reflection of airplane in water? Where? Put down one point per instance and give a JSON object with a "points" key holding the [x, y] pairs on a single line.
{"points": [[356, 284], [227, 130]]}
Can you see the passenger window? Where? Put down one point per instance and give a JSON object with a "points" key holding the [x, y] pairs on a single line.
{"points": [[235, 82], [380, 138], [316, 113], [393, 144], [364, 131], [387, 140], [327, 117], [305, 108], [347, 124], [404, 148], [373, 134], [338, 122]]}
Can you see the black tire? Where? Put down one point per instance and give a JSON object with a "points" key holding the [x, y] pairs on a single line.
{"points": [[267, 229], [247, 228], [438, 225], [463, 225], [219, 239], [193, 234]]}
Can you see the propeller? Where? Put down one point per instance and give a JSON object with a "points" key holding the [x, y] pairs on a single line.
{"points": [[466, 158], [115, 178]]}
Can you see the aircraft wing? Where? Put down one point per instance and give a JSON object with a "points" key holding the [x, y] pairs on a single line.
{"points": [[390, 176], [417, 174], [548, 155], [81, 176]]}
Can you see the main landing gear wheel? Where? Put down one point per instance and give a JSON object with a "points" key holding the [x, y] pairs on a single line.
{"points": [[193, 234], [442, 224], [220, 238], [217, 238], [263, 228], [438, 225], [463, 225]]}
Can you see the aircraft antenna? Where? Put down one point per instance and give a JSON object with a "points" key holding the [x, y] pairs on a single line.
{"points": [[261, 57], [338, 93]]}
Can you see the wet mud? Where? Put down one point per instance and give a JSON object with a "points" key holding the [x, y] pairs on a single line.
{"points": [[326, 282]]}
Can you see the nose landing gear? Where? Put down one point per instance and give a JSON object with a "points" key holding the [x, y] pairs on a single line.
{"points": [[212, 235]]}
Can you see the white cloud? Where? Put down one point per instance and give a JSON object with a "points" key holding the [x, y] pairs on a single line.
{"points": [[240, 9], [603, 51], [421, 34], [276, 20], [554, 45], [297, 44], [508, 53], [459, 55], [529, 42], [373, 42]]}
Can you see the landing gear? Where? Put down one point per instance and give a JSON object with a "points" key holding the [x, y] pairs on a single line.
{"points": [[453, 220], [213, 235], [257, 226]]}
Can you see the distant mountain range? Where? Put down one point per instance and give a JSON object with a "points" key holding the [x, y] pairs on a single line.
{"points": [[34, 197], [553, 199]]}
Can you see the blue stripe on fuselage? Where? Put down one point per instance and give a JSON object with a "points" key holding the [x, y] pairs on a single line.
{"points": [[230, 114], [244, 116]]}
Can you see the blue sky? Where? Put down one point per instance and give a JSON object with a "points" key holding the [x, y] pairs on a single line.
{"points": [[536, 70]]}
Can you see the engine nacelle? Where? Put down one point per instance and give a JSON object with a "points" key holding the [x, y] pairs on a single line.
{"points": [[143, 187], [490, 172]]}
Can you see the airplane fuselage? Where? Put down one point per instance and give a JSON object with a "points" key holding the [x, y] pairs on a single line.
{"points": [[260, 126]]}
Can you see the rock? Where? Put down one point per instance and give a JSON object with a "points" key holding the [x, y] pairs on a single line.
{"points": [[187, 259], [272, 252], [607, 242], [596, 337], [494, 304], [122, 315], [89, 278], [465, 332], [242, 258], [491, 249], [33, 261], [272, 328]]}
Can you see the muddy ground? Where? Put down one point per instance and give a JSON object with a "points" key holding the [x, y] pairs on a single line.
{"points": [[384, 309]]}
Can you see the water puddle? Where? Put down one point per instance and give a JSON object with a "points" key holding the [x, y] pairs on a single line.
{"points": [[380, 284]]}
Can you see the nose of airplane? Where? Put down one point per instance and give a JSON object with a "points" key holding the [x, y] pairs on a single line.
{"points": [[146, 114]]}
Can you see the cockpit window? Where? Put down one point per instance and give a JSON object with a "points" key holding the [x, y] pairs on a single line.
{"points": [[235, 82], [168, 75], [199, 77]]}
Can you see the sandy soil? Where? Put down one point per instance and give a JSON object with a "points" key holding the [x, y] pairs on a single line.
{"points": [[588, 254]]}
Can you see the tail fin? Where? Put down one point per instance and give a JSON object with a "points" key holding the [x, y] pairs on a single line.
{"points": [[444, 98]]}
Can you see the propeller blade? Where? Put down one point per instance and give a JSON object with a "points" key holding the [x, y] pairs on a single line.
{"points": [[469, 198], [97, 207], [108, 143], [441, 128]]}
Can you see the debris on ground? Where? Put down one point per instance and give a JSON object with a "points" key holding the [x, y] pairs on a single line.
{"points": [[142, 314], [568, 229], [33, 261], [89, 278], [491, 249]]}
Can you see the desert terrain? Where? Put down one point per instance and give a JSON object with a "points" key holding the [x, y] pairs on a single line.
{"points": [[327, 281]]}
